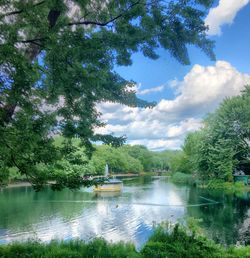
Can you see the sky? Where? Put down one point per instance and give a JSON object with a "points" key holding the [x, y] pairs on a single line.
{"points": [[184, 94]]}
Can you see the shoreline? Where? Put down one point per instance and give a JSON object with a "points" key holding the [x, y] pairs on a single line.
{"points": [[17, 184], [26, 183]]}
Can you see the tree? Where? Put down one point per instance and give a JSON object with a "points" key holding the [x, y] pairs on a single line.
{"points": [[231, 123], [179, 163], [141, 153], [57, 62], [223, 144]]}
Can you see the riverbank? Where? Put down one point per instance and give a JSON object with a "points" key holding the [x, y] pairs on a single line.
{"points": [[26, 183], [226, 186], [18, 184], [215, 184], [174, 243], [118, 175]]}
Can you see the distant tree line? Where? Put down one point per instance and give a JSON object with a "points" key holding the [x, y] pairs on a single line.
{"points": [[133, 159], [124, 159], [216, 151]]}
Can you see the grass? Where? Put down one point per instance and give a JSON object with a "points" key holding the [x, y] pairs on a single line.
{"points": [[231, 187], [180, 244], [173, 242], [98, 248], [227, 186]]}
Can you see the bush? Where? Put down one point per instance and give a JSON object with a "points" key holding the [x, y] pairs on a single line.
{"points": [[221, 184], [179, 244], [181, 178]]}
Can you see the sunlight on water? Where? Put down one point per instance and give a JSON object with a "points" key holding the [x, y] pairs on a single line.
{"points": [[126, 216]]}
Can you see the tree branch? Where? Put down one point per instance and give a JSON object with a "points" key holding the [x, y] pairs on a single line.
{"points": [[9, 109], [32, 41], [104, 23], [20, 11]]}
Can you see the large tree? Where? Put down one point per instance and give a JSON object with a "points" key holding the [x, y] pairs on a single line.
{"points": [[57, 60], [222, 146]]}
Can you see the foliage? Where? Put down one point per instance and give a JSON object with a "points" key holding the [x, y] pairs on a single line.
{"points": [[75, 163], [57, 62], [179, 244], [182, 178], [222, 146], [179, 162], [130, 159], [127, 159], [222, 185], [175, 243], [98, 248], [119, 161]]}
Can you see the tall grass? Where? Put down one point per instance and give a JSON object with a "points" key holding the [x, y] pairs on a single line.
{"points": [[174, 243], [230, 187], [98, 248]]}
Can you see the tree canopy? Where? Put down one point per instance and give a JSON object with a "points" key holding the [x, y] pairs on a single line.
{"points": [[57, 61], [222, 146]]}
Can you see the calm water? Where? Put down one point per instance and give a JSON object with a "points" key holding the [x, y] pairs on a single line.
{"points": [[129, 216]]}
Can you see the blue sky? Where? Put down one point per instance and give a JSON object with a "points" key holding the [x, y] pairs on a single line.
{"points": [[185, 93]]}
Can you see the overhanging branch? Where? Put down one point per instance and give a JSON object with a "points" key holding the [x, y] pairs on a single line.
{"points": [[20, 11], [32, 41], [104, 23]]}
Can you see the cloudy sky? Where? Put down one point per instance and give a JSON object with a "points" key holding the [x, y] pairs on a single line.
{"points": [[185, 94]]}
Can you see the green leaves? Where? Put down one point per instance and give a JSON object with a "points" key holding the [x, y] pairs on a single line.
{"points": [[222, 146], [57, 62]]}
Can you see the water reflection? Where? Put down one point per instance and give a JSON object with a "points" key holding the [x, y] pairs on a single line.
{"points": [[107, 194], [221, 222], [127, 216]]}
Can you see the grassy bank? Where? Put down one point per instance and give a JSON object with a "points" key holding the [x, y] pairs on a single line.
{"points": [[175, 243], [181, 178], [226, 186], [233, 187]]}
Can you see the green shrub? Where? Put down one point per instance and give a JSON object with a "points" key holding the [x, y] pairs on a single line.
{"points": [[179, 244], [181, 178], [221, 184]]}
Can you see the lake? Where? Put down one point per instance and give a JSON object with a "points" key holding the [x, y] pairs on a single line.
{"points": [[129, 216]]}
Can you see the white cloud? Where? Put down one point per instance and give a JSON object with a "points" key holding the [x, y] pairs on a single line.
{"points": [[224, 13], [158, 144], [166, 125], [151, 90], [203, 88]]}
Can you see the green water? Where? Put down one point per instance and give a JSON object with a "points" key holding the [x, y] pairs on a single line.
{"points": [[129, 216]]}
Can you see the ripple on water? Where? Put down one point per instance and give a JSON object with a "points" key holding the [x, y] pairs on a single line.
{"points": [[126, 216]]}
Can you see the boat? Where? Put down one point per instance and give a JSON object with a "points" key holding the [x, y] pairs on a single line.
{"points": [[109, 184]]}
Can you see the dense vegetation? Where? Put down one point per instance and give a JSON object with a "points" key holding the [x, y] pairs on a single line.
{"points": [[222, 146], [133, 159], [214, 152], [177, 243], [125, 159], [57, 62]]}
